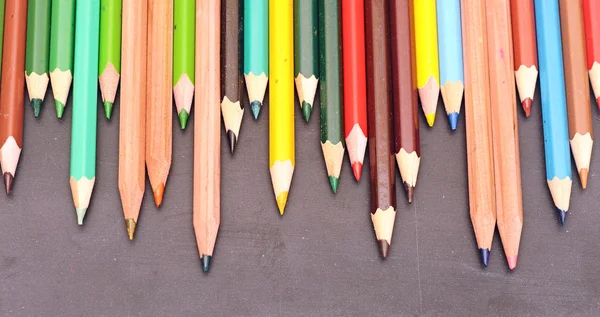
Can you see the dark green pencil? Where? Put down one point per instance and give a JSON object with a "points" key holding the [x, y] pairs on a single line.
{"points": [[306, 52]]}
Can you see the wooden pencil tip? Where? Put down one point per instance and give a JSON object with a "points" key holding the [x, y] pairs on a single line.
{"points": [[8, 180], [526, 104], [512, 261], [281, 202], [583, 177], [130, 223], [430, 119], [357, 169], [158, 194], [384, 247]]}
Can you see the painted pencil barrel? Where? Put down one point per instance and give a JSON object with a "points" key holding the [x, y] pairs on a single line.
{"points": [[184, 39], [426, 51], [109, 63], [62, 39], [37, 51], [256, 37], [525, 50], [306, 53]]}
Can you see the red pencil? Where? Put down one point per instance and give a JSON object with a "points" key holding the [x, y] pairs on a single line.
{"points": [[355, 88], [591, 19]]}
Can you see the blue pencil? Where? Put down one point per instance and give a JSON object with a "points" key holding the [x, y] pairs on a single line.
{"points": [[451, 57], [554, 104]]}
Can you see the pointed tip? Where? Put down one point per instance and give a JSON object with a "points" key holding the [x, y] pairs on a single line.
{"points": [[306, 111], [485, 256], [60, 108], [410, 192], [108, 106], [512, 261], [255, 106], [430, 119], [562, 215], [183, 118], [357, 169], [37, 106], [80, 215], [384, 247], [8, 180], [130, 227], [206, 263], [583, 177], [598, 102], [281, 202], [333, 181], [158, 194], [526, 104], [232, 140], [453, 119]]}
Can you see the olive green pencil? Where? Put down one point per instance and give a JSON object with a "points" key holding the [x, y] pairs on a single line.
{"points": [[62, 41], [36, 52], [109, 62]]}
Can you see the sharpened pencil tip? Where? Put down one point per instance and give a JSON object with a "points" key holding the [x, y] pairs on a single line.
{"points": [[37, 106], [453, 119], [410, 192], [130, 227], [306, 110], [583, 177], [158, 194], [562, 215], [334, 183], [526, 104], [232, 140], [357, 169], [183, 118], [108, 107], [60, 108], [430, 119], [384, 247], [485, 256], [8, 180], [255, 107], [512, 261], [80, 215], [281, 202], [206, 263]]}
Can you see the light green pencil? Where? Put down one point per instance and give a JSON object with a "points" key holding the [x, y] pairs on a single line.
{"points": [[85, 94], [36, 54], [62, 36], [109, 66], [256, 51], [184, 39]]}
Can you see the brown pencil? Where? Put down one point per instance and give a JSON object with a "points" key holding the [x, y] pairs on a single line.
{"points": [[379, 109], [577, 87], [207, 129], [478, 126], [159, 76], [132, 170], [525, 50], [505, 131], [406, 111], [11, 96]]}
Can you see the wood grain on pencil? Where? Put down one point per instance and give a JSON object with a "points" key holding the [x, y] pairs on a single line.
{"points": [[525, 50], [478, 126], [505, 131]]}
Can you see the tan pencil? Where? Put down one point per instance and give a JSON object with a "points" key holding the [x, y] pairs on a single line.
{"points": [[478, 125], [505, 131], [133, 111], [207, 129], [159, 120]]}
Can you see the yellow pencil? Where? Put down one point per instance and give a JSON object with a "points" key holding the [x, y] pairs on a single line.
{"points": [[281, 98], [426, 47]]}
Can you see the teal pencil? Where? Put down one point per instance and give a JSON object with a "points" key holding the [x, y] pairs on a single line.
{"points": [[256, 51]]}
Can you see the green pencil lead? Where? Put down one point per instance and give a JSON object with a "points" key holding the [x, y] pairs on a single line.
{"points": [[37, 106], [306, 110], [183, 118], [108, 106], [334, 183], [80, 215], [60, 108]]}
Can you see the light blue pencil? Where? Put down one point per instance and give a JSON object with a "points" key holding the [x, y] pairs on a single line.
{"points": [[554, 104], [451, 57], [256, 51]]}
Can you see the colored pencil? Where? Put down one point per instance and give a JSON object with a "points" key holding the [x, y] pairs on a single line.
{"points": [[207, 130], [379, 105], [11, 94], [132, 125], [109, 65], [256, 52], [478, 125], [62, 43], [591, 18], [184, 37], [85, 101], [451, 60], [332, 141], [525, 51], [406, 104], [505, 130], [37, 51], [1, 30], [554, 112], [159, 115], [231, 106], [306, 53], [281, 99], [355, 86], [426, 51], [577, 87]]}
